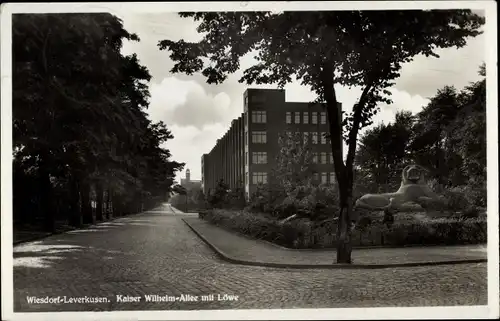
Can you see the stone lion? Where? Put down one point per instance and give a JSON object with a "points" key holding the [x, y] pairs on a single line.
{"points": [[413, 189]]}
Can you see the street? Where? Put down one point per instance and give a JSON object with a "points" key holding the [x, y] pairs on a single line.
{"points": [[155, 253]]}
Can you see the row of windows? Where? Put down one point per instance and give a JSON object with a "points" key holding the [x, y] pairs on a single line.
{"points": [[322, 158], [260, 137], [259, 178], [324, 178], [314, 137], [317, 158], [260, 117], [257, 157], [305, 117]]}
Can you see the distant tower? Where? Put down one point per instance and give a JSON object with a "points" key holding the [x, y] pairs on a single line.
{"points": [[188, 175]]}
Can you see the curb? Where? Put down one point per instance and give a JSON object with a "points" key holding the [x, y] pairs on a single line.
{"points": [[332, 266]]}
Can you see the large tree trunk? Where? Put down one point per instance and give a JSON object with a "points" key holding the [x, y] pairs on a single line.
{"points": [[109, 204], [335, 126], [100, 201], [46, 195], [75, 218], [344, 247], [88, 218]]}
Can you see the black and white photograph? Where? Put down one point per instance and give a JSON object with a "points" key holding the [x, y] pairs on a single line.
{"points": [[249, 160]]}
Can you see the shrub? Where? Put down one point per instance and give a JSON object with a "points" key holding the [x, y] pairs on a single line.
{"points": [[475, 193], [258, 225], [309, 201], [303, 233], [456, 199]]}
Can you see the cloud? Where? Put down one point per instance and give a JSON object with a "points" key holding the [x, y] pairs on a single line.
{"points": [[458, 67], [186, 103]]}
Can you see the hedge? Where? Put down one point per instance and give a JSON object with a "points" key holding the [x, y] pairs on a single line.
{"points": [[302, 233]]}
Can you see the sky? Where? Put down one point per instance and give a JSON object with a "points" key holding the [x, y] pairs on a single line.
{"points": [[198, 113]]}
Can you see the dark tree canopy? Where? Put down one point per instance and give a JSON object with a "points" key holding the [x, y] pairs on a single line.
{"points": [[79, 124]]}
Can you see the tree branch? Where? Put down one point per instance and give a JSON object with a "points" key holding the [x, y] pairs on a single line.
{"points": [[326, 74], [353, 134]]}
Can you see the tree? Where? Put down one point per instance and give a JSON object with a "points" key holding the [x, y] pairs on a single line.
{"points": [[218, 197], [294, 162], [383, 151], [469, 130], [80, 131], [321, 50], [431, 147]]}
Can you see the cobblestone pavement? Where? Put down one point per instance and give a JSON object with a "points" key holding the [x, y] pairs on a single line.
{"points": [[155, 253], [242, 248]]}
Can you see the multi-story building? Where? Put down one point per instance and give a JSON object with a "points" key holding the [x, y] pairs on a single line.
{"points": [[246, 154]]}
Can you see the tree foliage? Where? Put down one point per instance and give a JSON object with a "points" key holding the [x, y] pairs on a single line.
{"points": [[322, 49], [294, 162], [448, 137], [80, 131], [383, 152]]}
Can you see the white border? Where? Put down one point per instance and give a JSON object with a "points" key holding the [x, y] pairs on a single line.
{"points": [[490, 311]]}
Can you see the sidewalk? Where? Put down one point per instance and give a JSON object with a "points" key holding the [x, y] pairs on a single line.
{"points": [[24, 236], [240, 249]]}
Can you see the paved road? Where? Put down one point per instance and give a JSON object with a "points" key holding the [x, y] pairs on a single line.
{"points": [[155, 253]]}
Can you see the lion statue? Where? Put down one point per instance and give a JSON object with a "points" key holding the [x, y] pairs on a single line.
{"points": [[413, 189]]}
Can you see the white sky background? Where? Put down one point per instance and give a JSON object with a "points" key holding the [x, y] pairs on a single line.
{"points": [[198, 114]]}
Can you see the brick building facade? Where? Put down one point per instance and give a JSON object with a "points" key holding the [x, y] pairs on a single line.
{"points": [[247, 152]]}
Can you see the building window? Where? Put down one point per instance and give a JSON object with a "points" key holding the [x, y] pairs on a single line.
{"points": [[323, 137], [259, 178], [331, 158], [246, 101], [288, 117], [332, 178], [259, 137], [323, 158], [315, 158], [297, 117], [314, 137], [324, 178], [246, 139], [258, 117], [259, 157], [305, 117], [306, 137], [297, 136], [316, 177], [323, 117], [314, 117], [246, 158]]}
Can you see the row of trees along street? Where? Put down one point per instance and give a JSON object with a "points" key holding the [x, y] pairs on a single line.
{"points": [[83, 146], [363, 49]]}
